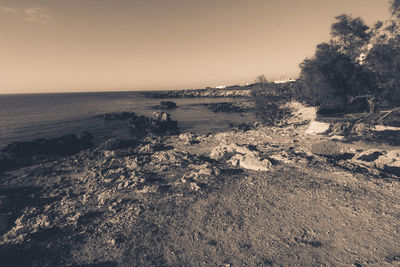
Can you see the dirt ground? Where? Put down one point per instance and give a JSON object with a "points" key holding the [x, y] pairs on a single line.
{"points": [[168, 202]]}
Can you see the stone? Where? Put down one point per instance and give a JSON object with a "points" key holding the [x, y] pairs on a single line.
{"points": [[331, 149], [194, 187], [369, 155], [124, 115], [317, 127], [389, 162], [117, 143], [250, 162], [159, 123], [167, 105]]}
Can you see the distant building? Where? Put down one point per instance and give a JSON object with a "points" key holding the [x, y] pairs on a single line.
{"points": [[220, 86], [284, 81]]}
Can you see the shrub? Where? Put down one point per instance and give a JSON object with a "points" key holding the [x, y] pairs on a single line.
{"points": [[269, 99]]}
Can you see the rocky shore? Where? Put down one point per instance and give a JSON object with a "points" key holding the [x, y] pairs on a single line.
{"points": [[207, 92], [300, 194]]}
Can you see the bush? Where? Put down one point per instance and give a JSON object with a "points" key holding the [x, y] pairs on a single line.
{"points": [[269, 99]]}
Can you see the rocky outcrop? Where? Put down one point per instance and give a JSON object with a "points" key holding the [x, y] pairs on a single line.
{"points": [[159, 123]]}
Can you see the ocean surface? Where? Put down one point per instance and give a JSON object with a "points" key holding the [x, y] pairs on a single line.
{"points": [[29, 116]]}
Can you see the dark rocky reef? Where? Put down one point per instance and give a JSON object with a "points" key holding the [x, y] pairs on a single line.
{"points": [[229, 107], [20, 154], [159, 123], [124, 115], [166, 105]]}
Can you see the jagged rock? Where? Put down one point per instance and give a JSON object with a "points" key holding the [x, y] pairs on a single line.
{"points": [[250, 162], [244, 157], [159, 123], [389, 162], [219, 152]]}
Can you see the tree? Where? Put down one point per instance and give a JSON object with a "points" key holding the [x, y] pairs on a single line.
{"points": [[331, 77], [383, 61], [261, 79], [351, 35], [395, 8]]}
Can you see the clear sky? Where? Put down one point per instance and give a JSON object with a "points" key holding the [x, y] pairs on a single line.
{"points": [[105, 45]]}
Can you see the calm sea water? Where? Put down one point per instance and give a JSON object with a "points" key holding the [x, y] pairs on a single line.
{"points": [[29, 116]]}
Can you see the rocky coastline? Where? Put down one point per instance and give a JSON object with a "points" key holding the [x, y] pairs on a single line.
{"points": [[305, 193], [207, 92]]}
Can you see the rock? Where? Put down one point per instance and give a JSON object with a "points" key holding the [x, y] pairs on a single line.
{"points": [[124, 115], [167, 105], [251, 162], [337, 137], [369, 155], [330, 149], [219, 152], [229, 107], [340, 128], [159, 123], [194, 187], [316, 127], [24, 153], [389, 162], [189, 138], [116, 143], [360, 129]]}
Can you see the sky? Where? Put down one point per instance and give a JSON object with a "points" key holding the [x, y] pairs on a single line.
{"points": [[118, 45]]}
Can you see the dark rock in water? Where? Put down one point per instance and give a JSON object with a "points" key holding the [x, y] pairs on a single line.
{"points": [[167, 105], [24, 153], [159, 123], [227, 107], [124, 115]]}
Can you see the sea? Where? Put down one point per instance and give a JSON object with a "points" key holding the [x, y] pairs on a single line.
{"points": [[25, 117]]}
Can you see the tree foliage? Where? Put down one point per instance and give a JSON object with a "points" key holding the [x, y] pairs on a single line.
{"points": [[350, 35], [358, 60]]}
